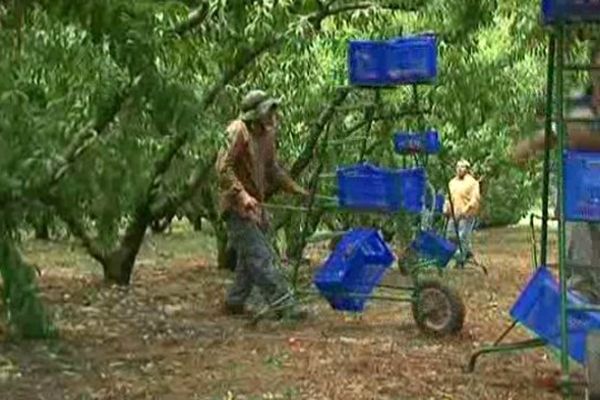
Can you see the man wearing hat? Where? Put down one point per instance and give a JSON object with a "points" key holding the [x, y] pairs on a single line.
{"points": [[465, 196], [248, 172]]}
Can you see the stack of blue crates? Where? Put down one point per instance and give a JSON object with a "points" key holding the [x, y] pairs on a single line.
{"points": [[360, 259], [354, 269]]}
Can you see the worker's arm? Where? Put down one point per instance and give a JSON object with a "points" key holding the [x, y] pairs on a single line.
{"points": [[284, 181], [578, 139]]}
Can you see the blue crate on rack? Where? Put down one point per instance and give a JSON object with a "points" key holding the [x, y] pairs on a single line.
{"points": [[413, 189], [570, 11], [582, 186], [439, 202], [354, 269], [412, 59], [432, 246], [423, 142], [398, 61], [538, 309], [365, 187]]}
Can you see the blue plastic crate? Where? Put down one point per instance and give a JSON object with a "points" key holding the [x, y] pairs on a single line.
{"points": [[413, 188], [434, 247], [439, 202], [355, 267], [412, 59], [398, 61], [538, 309], [424, 142], [582, 186], [570, 10], [365, 187]]}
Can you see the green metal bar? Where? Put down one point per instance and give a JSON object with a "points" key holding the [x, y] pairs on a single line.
{"points": [[408, 288], [505, 333], [585, 308], [547, 133], [533, 242], [581, 67], [564, 353], [504, 348]]}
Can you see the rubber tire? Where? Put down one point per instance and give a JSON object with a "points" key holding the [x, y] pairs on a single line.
{"points": [[456, 306], [592, 365]]}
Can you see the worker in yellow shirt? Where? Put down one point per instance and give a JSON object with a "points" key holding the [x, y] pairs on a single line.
{"points": [[465, 196]]}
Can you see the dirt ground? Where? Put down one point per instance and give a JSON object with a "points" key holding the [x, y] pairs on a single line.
{"points": [[165, 337]]}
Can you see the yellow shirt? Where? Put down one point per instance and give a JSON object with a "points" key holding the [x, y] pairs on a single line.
{"points": [[465, 196]]}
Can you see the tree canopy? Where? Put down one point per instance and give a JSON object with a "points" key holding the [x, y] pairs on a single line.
{"points": [[112, 111]]}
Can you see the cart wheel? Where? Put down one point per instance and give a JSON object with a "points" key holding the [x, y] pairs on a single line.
{"points": [[437, 308], [592, 365]]}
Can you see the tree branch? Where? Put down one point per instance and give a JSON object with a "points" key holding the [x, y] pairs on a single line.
{"points": [[408, 5], [84, 139], [325, 117], [166, 204], [195, 18], [76, 227]]}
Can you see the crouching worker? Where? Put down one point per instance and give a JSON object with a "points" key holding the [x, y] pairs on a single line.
{"points": [[247, 170]]}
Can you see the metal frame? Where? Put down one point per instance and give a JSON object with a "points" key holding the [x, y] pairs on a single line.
{"points": [[410, 293], [555, 97]]}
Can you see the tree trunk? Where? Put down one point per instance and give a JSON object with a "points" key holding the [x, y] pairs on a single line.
{"points": [[118, 265], [25, 311], [42, 229]]}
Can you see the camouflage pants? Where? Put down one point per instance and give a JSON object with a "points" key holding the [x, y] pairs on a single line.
{"points": [[255, 260], [583, 259]]}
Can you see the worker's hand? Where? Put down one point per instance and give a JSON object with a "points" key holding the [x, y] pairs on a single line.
{"points": [[248, 202], [303, 193]]}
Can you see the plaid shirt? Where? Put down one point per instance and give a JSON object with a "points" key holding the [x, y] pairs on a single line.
{"points": [[249, 164]]}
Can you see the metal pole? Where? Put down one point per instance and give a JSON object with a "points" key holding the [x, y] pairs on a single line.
{"points": [[548, 134], [564, 355]]}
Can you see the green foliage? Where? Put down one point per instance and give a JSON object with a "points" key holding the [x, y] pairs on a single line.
{"points": [[151, 89], [24, 309]]}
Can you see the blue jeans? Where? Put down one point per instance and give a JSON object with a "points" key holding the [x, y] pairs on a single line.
{"points": [[465, 231]]}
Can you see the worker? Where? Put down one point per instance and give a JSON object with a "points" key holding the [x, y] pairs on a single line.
{"points": [[463, 207], [247, 170], [583, 238]]}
